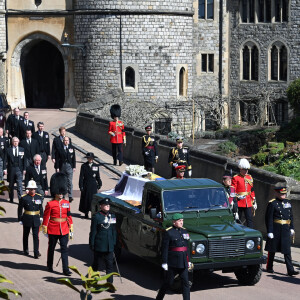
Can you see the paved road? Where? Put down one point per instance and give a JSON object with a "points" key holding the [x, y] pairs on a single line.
{"points": [[140, 279]]}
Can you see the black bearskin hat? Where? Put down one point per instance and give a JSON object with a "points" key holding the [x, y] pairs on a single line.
{"points": [[115, 111], [58, 184]]}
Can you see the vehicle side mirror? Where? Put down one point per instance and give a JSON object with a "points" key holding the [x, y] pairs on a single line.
{"points": [[153, 213]]}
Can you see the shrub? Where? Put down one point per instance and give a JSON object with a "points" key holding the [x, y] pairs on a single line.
{"points": [[260, 158], [227, 147]]}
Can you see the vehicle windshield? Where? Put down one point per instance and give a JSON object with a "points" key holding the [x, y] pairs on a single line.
{"points": [[195, 199]]}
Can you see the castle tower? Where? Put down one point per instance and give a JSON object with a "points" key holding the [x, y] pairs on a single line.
{"points": [[143, 47]]}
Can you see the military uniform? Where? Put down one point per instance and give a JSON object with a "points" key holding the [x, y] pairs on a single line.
{"points": [[245, 196], [279, 222], [175, 255], [57, 223], [149, 150], [117, 140], [103, 240], [33, 211], [179, 157]]}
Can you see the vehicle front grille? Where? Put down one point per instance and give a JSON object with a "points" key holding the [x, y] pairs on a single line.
{"points": [[226, 248]]}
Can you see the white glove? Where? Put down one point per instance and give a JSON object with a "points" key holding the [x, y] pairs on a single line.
{"points": [[175, 165], [147, 153], [112, 134], [190, 173], [190, 264], [41, 220], [165, 267], [236, 216], [271, 235], [21, 223], [292, 232], [254, 204], [156, 157]]}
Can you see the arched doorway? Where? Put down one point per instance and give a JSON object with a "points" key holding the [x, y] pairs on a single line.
{"points": [[43, 75]]}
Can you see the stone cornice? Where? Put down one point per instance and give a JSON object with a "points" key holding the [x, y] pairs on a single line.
{"points": [[11, 12]]}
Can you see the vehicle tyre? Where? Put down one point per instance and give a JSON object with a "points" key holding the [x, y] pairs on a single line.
{"points": [[249, 275]]}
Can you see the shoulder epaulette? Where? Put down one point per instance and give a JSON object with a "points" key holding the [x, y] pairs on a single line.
{"points": [[183, 228], [272, 200], [38, 194], [235, 175], [24, 195], [169, 228]]}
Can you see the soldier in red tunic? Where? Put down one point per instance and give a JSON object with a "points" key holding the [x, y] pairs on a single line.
{"points": [[57, 221], [117, 134], [243, 184]]}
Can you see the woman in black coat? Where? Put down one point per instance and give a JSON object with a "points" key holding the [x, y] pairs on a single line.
{"points": [[89, 183]]}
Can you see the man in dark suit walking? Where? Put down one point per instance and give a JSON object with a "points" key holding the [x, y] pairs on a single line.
{"points": [[31, 148], [15, 168], [65, 162], [25, 125], [42, 138], [12, 126], [58, 142], [38, 173]]}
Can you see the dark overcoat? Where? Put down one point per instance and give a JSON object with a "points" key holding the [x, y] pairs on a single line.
{"points": [[103, 234], [279, 210], [89, 184]]}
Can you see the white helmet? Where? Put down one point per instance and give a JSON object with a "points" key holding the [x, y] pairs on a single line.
{"points": [[244, 164], [31, 184]]}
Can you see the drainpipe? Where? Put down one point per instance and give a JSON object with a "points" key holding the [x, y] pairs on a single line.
{"points": [[121, 57], [220, 47]]}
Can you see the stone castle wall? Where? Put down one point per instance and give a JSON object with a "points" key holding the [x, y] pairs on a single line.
{"points": [[263, 35], [155, 41]]}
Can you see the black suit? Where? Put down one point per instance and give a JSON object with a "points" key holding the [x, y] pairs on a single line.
{"points": [[40, 178], [15, 168], [13, 125], [24, 127], [175, 254], [65, 161], [57, 143], [4, 144], [44, 145], [31, 205], [30, 150]]}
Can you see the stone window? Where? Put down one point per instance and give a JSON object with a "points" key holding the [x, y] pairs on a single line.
{"points": [[278, 112], [250, 62], [182, 75], [182, 80], [130, 77], [206, 9], [264, 11], [207, 63], [278, 62], [249, 112]]}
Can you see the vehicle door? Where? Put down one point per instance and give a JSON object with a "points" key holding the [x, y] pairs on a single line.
{"points": [[151, 229]]}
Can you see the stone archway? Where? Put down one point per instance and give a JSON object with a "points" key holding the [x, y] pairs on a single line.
{"points": [[42, 69]]}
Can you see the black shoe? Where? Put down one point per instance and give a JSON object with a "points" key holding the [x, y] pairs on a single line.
{"points": [[71, 199], [293, 273], [120, 163], [26, 252], [111, 291], [50, 269], [115, 162], [67, 273], [270, 271], [11, 200], [86, 216], [36, 256]]}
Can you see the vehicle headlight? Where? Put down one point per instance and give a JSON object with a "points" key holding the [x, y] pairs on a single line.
{"points": [[250, 244], [200, 248]]}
